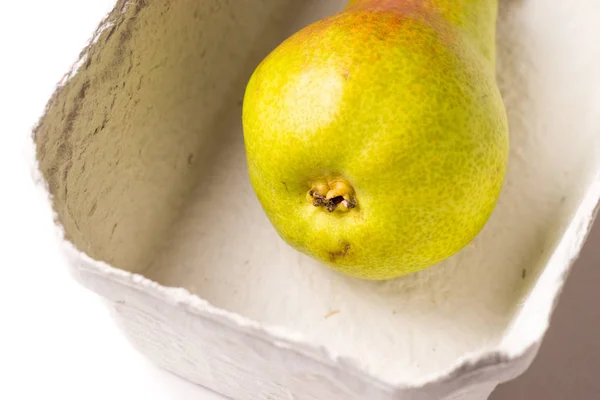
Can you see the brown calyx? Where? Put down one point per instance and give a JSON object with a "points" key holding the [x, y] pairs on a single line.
{"points": [[332, 194]]}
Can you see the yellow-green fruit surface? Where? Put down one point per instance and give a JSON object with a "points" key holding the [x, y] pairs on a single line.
{"points": [[377, 139]]}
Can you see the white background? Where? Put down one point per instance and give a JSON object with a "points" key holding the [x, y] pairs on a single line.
{"points": [[56, 338]]}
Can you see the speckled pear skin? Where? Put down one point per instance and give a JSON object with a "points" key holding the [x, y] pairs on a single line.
{"points": [[397, 100]]}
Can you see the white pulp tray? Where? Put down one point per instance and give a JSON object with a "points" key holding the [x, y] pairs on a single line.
{"points": [[142, 155]]}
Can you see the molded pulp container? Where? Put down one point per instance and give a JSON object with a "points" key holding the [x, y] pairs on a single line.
{"points": [[141, 154]]}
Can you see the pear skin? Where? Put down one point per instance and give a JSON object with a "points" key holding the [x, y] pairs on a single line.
{"points": [[377, 139]]}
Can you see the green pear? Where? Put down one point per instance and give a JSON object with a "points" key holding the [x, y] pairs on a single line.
{"points": [[377, 139]]}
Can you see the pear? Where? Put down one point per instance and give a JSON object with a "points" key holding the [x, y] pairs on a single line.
{"points": [[377, 139]]}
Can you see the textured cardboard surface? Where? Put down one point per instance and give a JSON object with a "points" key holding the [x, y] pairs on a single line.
{"points": [[456, 330], [569, 359]]}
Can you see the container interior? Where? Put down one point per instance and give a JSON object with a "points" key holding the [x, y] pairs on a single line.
{"points": [[143, 153]]}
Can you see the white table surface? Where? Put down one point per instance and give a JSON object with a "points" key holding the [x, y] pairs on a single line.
{"points": [[57, 339]]}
